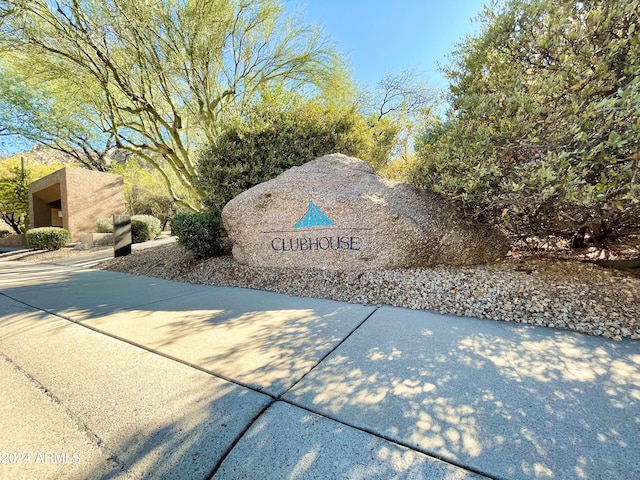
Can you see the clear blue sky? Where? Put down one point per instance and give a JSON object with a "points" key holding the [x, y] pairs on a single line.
{"points": [[379, 36]]}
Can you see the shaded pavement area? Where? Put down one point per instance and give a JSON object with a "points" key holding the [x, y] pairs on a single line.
{"points": [[108, 375]]}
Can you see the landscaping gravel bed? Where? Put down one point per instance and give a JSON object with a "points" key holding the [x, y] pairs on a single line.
{"points": [[572, 295]]}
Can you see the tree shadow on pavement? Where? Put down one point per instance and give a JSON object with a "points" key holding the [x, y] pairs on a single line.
{"points": [[514, 401]]}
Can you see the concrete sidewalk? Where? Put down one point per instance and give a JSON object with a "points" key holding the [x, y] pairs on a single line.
{"points": [[107, 375]]}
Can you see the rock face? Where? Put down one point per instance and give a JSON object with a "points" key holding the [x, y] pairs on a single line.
{"points": [[336, 213]]}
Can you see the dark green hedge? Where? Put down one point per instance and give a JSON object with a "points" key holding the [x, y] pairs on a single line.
{"points": [[269, 141], [200, 233], [144, 228], [48, 238]]}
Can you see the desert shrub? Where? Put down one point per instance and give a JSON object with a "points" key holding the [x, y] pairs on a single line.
{"points": [[144, 228], [199, 233], [4, 233], [155, 226], [543, 132], [273, 139], [48, 238], [162, 207], [104, 225], [139, 231]]}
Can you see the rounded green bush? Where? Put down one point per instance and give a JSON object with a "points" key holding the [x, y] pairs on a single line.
{"points": [[200, 233], [269, 141], [144, 228], [48, 238], [139, 231], [104, 225]]}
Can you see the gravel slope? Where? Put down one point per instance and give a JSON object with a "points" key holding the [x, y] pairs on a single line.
{"points": [[562, 294]]}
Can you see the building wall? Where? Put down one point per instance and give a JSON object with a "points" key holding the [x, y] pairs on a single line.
{"points": [[81, 195], [89, 195]]}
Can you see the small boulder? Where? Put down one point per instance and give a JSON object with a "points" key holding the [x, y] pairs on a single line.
{"points": [[336, 213]]}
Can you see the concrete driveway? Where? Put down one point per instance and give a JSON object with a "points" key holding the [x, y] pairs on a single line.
{"points": [[107, 375]]}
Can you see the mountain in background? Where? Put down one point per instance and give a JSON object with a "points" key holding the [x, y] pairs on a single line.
{"points": [[41, 155]]}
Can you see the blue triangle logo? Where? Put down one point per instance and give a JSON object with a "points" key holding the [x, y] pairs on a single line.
{"points": [[313, 218]]}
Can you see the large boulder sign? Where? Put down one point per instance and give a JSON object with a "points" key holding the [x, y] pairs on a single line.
{"points": [[336, 213]]}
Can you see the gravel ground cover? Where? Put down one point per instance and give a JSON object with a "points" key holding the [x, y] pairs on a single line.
{"points": [[551, 292], [557, 292]]}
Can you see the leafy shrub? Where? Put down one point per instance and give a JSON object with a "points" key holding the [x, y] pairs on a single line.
{"points": [[4, 233], [144, 228], [162, 207], [104, 225], [200, 233], [48, 238], [139, 231], [543, 131], [271, 140]]}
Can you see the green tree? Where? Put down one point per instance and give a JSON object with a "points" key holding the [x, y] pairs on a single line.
{"points": [[543, 132], [144, 190], [16, 173], [49, 113], [158, 78], [14, 198]]}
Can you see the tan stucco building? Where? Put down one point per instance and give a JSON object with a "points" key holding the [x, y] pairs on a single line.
{"points": [[74, 198]]}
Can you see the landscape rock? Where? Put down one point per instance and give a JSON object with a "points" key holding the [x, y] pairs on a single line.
{"points": [[336, 213]]}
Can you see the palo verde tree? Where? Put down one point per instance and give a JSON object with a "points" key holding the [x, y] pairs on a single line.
{"points": [[52, 114], [543, 132], [157, 78]]}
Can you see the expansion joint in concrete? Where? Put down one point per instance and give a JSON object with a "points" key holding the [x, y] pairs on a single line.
{"points": [[330, 352]]}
